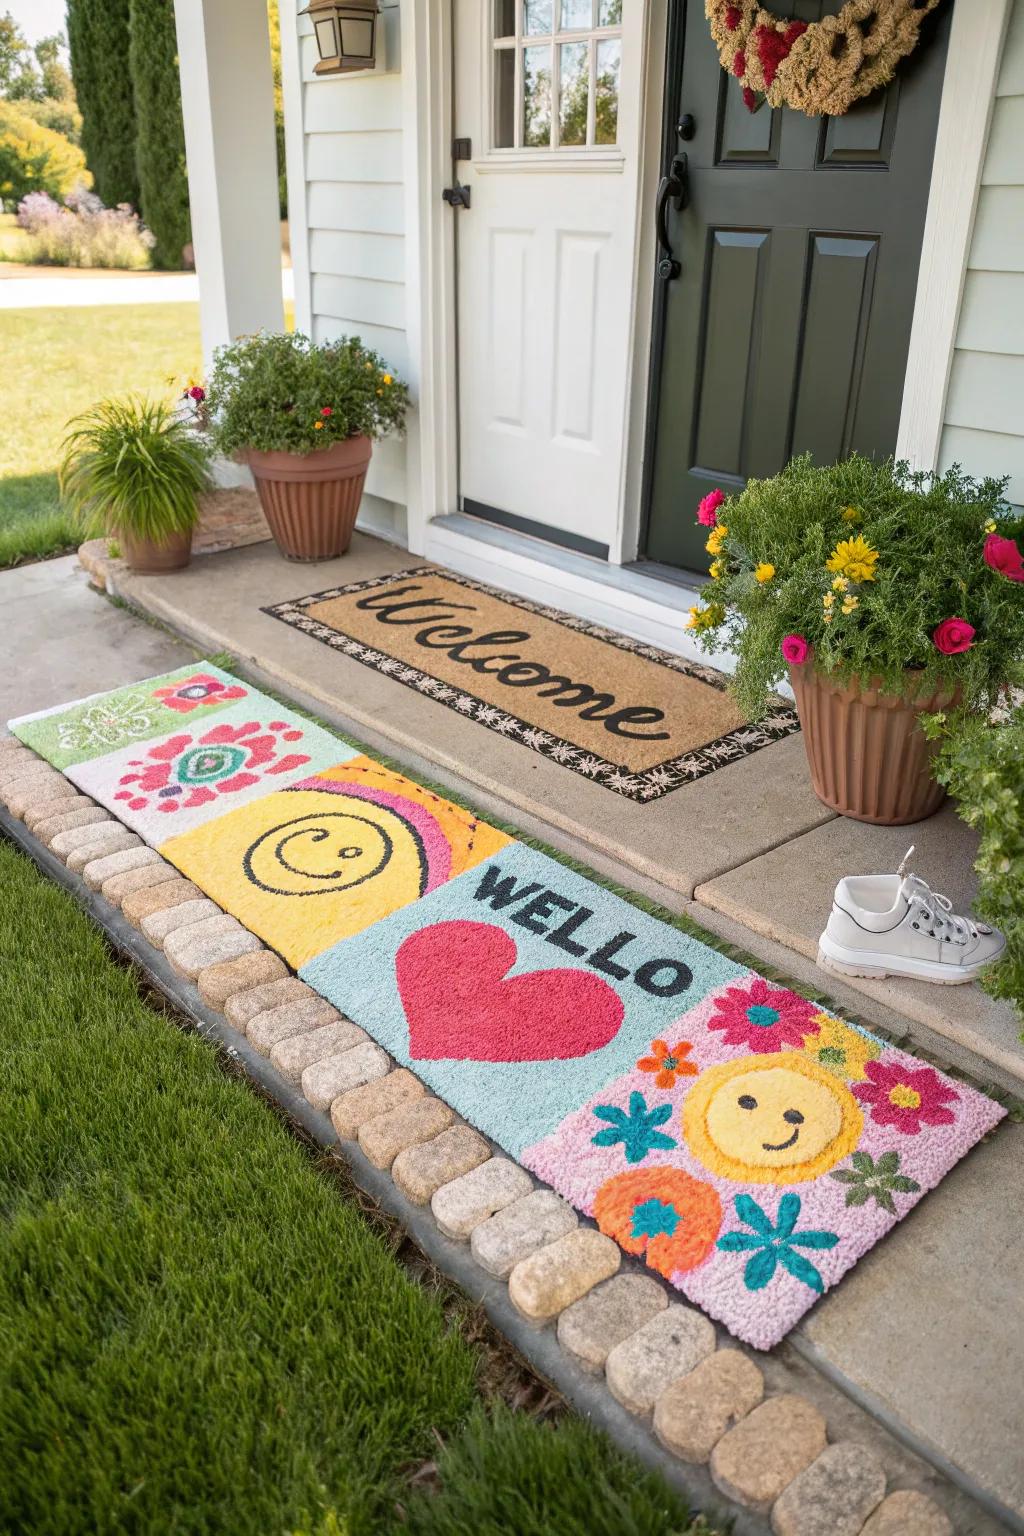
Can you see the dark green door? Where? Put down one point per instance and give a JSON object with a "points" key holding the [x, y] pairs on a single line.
{"points": [[787, 328]]}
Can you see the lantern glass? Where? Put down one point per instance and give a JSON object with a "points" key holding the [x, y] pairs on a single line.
{"points": [[356, 37], [326, 37]]}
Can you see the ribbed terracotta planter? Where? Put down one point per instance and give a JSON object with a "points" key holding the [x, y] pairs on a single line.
{"points": [[868, 756], [152, 559], [311, 500]]}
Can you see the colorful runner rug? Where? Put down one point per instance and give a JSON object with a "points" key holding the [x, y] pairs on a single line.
{"points": [[622, 713], [739, 1139]]}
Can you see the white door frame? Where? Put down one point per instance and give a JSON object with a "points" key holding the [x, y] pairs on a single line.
{"points": [[972, 65]]}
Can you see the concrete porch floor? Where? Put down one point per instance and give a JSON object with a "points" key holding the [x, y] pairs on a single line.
{"points": [[927, 1332]]}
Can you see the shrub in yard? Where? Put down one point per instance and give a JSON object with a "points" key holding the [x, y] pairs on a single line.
{"points": [[82, 233], [34, 158], [160, 136], [62, 116], [98, 39], [981, 762], [875, 570], [281, 393]]}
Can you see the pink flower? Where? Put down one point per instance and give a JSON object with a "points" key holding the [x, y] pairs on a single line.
{"points": [[906, 1098], [707, 511], [953, 636], [183, 772], [764, 1018], [795, 649], [192, 692], [1004, 556], [197, 392], [327, 410]]}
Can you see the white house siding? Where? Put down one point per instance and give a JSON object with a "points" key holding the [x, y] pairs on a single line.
{"points": [[984, 417], [347, 218]]}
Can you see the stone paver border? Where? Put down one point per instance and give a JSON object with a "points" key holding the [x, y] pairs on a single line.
{"points": [[666, 1383]]}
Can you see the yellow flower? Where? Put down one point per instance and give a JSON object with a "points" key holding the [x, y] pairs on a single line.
{"points": [[380, 391], [840, 584], [717, 569], [765, 571], [716, 538], [828, 616], [369, 367], [827, 600], [850, 603], [705, 618], [839, 1049], [853, 558], [318, 426], [387, 378], [852, 514], [990, 526]]}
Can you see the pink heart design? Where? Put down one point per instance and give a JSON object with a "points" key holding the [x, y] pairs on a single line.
{"points": [[461, 1004]]}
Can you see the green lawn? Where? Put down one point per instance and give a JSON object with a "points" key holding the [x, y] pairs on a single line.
{"points": [[202, 1334], [57, 362]]}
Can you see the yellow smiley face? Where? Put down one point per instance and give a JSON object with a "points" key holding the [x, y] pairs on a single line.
{"points": [[776, 1119]]}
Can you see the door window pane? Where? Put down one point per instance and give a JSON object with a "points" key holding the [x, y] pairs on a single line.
{"points": [[574, 64], [606, 91], [537, 17], [577, 15], [504, 97], [504, 18], [537, 97], [609, 13]]}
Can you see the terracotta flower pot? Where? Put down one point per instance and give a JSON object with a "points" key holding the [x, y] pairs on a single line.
{"points": [[867, 754], [152, 558], [311, 500]]}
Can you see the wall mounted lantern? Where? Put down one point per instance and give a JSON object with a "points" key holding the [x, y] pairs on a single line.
{"points": [[346, 34]]}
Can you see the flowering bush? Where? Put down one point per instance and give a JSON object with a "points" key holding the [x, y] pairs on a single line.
{"points": [[981, 762], [34, 158], [868, 570], [81, 232], [282, 393]]}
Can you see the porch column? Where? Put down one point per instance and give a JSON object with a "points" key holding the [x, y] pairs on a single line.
{"points": [[227, 96]]}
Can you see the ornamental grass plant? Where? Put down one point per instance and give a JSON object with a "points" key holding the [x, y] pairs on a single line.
{"points": [[870, 572], [134, 467], [281, 393]]}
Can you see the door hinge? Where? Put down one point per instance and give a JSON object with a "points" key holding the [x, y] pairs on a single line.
{"points": [[462, 149], [456, 197]]}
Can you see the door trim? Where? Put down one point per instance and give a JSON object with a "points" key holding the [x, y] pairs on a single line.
{"points": [[973, 58]]}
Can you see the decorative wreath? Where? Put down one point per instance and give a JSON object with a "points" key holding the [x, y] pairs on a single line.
{"points": [[821, 67]]}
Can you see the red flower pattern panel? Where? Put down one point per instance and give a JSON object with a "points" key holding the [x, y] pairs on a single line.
{"points": [[193, 692], [906, 1098], [764, 1018], [187, 770]]}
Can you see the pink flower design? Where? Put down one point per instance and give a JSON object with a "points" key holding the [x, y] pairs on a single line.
{"points": [[764, 1018], [707, 510], [192, 692], [197, 393], [953, 636], [1004, 556], [181, 773], [906, 1097], [795, 649]]}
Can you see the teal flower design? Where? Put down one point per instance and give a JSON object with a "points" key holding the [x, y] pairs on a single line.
{"points": [[655, 1218], [635, 1129], [774, 1245], [879, 1181]]}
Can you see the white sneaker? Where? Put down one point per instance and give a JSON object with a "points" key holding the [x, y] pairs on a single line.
{"points": [[896, 925]]}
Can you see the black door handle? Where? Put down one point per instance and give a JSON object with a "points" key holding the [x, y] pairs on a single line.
{"points": [[674, 187]]}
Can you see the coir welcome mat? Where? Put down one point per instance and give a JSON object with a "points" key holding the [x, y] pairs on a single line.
{"points": [[736, 1137], [625, 714]]}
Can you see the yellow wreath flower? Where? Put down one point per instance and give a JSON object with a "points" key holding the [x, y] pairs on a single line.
{"points": [[853, 558]]}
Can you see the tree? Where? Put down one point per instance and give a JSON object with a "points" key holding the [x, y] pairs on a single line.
{"points": [[160, 131], [35, 159], [99, 41], [13, 52]]}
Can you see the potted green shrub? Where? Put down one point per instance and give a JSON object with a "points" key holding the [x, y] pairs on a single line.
{"points": [[134, 469], [886, 594], [304, 417]]}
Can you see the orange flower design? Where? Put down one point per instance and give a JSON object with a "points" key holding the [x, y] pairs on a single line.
{"points": [[668, 1064], [664, 1214]]}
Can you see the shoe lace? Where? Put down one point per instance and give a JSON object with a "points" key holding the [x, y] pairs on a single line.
{"points": [[936, 908]]}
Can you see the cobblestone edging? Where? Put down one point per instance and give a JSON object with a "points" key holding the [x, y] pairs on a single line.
{"points": [[572, 1305]]}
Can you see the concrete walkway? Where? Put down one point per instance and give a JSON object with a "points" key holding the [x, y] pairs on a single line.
{"points": [[122, 288], [928, 1330]]}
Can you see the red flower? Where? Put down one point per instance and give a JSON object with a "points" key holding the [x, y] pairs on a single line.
{"points": [[707, 508], [197, 392], [733, 17], [327, 410], [197, 690], [906, 1098], [739, 64], [953, 636], [795, 649], [182, 773], [668, 1064], [1004, 556], [764, 1018], [773, 47]]}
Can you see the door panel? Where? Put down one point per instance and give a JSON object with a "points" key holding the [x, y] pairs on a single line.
{"points": [[787, 330]]}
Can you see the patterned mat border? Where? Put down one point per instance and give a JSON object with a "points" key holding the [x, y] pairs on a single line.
{"points": [[649, 784]]}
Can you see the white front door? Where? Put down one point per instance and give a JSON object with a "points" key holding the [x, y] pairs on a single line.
{"points": [[548, 92]]}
